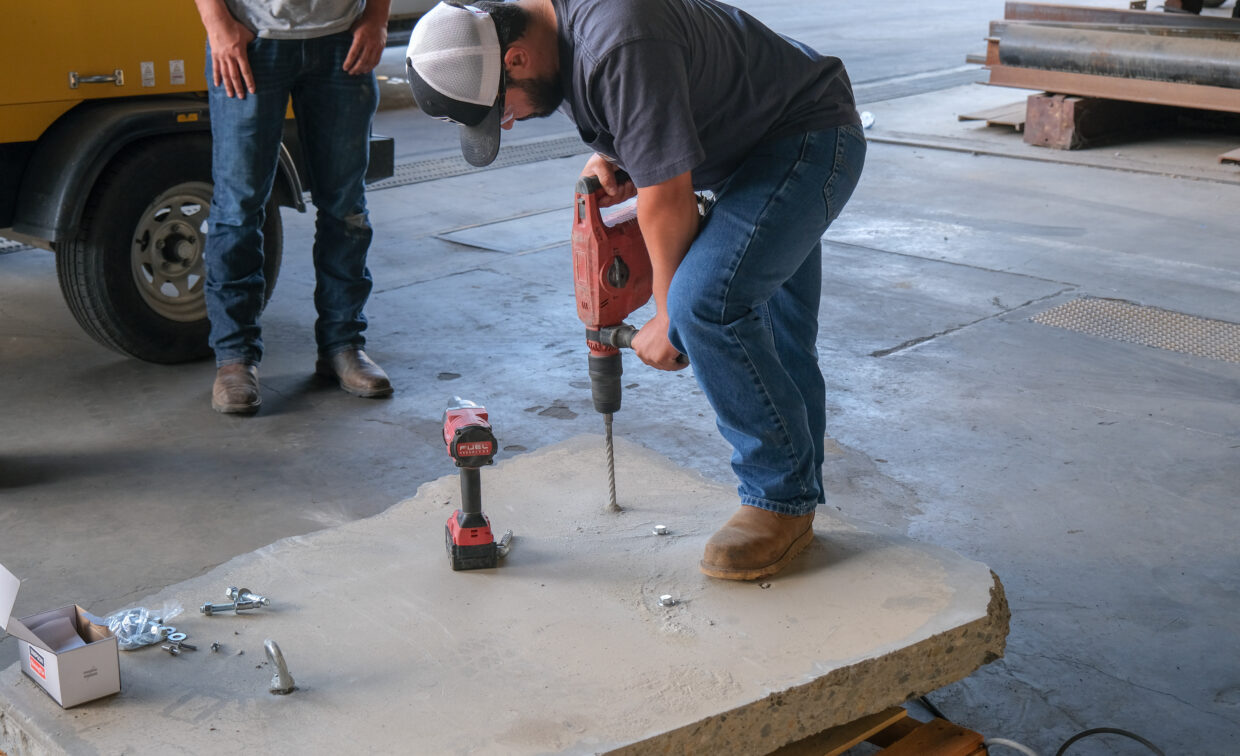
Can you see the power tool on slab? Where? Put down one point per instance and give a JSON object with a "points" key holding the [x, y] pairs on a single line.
{"points": [[471, 444], [612, 278]]}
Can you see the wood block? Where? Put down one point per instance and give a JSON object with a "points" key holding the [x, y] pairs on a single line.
{"points": [[837, 740], [938, 737], [1068, 122]]}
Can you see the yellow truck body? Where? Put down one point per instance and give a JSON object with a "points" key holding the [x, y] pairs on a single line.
{"points": [[120, 48]]}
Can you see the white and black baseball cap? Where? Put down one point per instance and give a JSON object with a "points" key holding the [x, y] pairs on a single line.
{"points": [[456, 72]]}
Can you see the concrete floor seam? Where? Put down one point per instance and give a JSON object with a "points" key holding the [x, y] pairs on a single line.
{"points": [[1085, 158], [968, 266]]}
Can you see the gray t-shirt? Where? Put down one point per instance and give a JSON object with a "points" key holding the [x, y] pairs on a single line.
{"points": [[296, 19], [668, 86]]}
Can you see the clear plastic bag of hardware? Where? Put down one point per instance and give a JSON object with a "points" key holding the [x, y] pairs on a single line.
{"points": [[139, 626]]}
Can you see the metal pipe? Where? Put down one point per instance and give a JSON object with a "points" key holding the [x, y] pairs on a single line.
{"points": [[1208, 62]]}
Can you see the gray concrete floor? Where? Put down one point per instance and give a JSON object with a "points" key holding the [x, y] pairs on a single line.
{"points": [[1097, 478]]}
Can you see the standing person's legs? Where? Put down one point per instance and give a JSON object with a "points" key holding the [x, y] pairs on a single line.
{"points": [[743, 307], [245, 149], [334, 115]]}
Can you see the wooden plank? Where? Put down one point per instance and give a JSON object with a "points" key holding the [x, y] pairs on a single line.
{"points": [[1232, 157], [1116, 88], [837, 740], [901, 729], [937, 737], [1012, 114]]}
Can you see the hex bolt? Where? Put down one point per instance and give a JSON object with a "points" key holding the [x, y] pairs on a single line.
{"points": [[172, 648], [667, 600], [660, 530], [282, 682]]}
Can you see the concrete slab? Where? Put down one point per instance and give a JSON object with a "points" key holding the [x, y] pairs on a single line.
{"points": [[565, 648]]}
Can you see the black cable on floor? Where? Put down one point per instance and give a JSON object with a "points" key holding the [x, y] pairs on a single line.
{"points": [[1108, 731]]}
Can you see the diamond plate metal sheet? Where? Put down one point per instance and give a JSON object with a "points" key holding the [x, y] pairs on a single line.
{"points": [[1149, 326]]}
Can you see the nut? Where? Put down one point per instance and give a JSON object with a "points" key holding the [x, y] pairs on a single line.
{"points": [[660, 530], [667, 600]]}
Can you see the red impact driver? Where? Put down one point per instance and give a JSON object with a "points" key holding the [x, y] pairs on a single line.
{"points": [[467, 432]]}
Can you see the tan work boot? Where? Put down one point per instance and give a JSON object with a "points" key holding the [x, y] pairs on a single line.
{"points": [[236, 390], [356, 373], [756, 543]]}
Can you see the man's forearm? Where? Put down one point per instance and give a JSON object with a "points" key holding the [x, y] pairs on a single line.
{"points": [[376, 12], [668, 216], [213, 13]]}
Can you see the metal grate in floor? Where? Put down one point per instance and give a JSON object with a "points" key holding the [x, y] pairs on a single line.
{"points": [[1149, 326]]}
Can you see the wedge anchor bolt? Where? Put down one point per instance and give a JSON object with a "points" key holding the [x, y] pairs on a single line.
{"points": [[281, 682], [242, 599], [504, 545]]}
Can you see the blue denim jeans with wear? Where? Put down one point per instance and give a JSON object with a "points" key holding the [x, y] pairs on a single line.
{"points": [[334, 111], [743, 305]]}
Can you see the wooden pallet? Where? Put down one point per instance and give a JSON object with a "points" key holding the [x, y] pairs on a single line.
{"points": [[896, 733]]}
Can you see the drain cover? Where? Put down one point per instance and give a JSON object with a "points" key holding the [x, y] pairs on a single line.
{"points": [[1149, 326]]}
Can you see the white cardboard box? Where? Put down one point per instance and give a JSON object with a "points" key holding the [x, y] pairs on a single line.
{"points": [[68, 652]]}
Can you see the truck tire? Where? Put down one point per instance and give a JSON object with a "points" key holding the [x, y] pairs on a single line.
{"points": [[134, 274]]}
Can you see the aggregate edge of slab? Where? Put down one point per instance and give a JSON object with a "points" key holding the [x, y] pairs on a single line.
{"points": [[15, 739], [797, 713]]}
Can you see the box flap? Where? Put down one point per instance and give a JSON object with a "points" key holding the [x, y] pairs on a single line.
{"points": [[8, 595]]}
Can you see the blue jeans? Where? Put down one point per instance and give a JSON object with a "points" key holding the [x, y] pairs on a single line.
{"points": [[334, 112], [743, 306]]}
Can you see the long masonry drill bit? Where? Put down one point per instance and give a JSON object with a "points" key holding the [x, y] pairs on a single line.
{"points": [[612, 505]]}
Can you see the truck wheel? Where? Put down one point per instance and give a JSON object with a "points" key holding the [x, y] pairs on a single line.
{"points": [[134, 275]]}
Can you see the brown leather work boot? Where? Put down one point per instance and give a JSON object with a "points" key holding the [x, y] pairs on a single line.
{"points": [[356, 373], [236, 390], [756, 543]]}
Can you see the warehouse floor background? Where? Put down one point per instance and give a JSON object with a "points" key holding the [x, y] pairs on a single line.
{"points": [[1098, 478]]}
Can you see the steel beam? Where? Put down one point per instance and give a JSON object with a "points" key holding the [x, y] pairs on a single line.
{"points": [[1082, 14], [1132, 90]]}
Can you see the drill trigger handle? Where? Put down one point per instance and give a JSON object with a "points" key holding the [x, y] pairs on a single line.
{"points": [[591, 184], [620, 337]]}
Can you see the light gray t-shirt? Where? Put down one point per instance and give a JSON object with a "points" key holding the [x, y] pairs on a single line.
{"points": [[668, 86], [296, 19]]}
